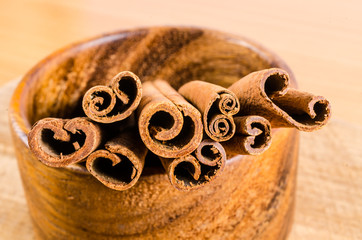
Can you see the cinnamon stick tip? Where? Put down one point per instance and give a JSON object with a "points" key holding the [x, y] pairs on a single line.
{"points": [[276, 82], [60, 142], [115, 102], [104, 165]]}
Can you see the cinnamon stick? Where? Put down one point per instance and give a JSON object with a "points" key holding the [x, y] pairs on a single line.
{"points": [[217, 106], [169, 126], [107, 104], [197, 169], [267, 93], [60, 142], [252, 136], [120, 164]]}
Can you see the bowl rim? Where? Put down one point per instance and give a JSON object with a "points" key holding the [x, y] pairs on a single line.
{"points": [[18, 121]]}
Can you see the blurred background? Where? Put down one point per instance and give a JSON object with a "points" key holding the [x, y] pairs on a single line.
{"points": [[321, 40]]}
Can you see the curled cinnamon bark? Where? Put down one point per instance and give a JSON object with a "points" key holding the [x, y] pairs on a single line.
{"points": [[107, 104], [60, 142], [169, 126], [216, 104], [198, 168], [267, 93], [252, 136], [120, 164]]}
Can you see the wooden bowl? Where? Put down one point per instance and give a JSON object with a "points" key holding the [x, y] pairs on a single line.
{"points": [[252, 199]]}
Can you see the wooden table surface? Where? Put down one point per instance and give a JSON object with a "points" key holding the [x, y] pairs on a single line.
{"points": [[320, 40]]}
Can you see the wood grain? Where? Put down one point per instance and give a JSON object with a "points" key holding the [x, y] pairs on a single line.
{"points": [[329, 194]]}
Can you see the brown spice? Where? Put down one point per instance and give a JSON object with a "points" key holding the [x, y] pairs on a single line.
{"points": [[120, 164], [217, 105], [169, 126], [107, 104], [252, 136], [267, 93], [255, 194], [198, 168], [59, 142]]}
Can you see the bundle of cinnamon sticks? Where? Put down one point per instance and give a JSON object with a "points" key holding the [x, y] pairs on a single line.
{"points": [[192, 130]]}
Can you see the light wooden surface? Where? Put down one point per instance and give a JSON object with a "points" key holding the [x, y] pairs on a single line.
{"points": [[320, 40]]}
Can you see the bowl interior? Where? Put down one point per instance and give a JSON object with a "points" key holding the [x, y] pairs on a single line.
{"points": [[56, 85]]}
